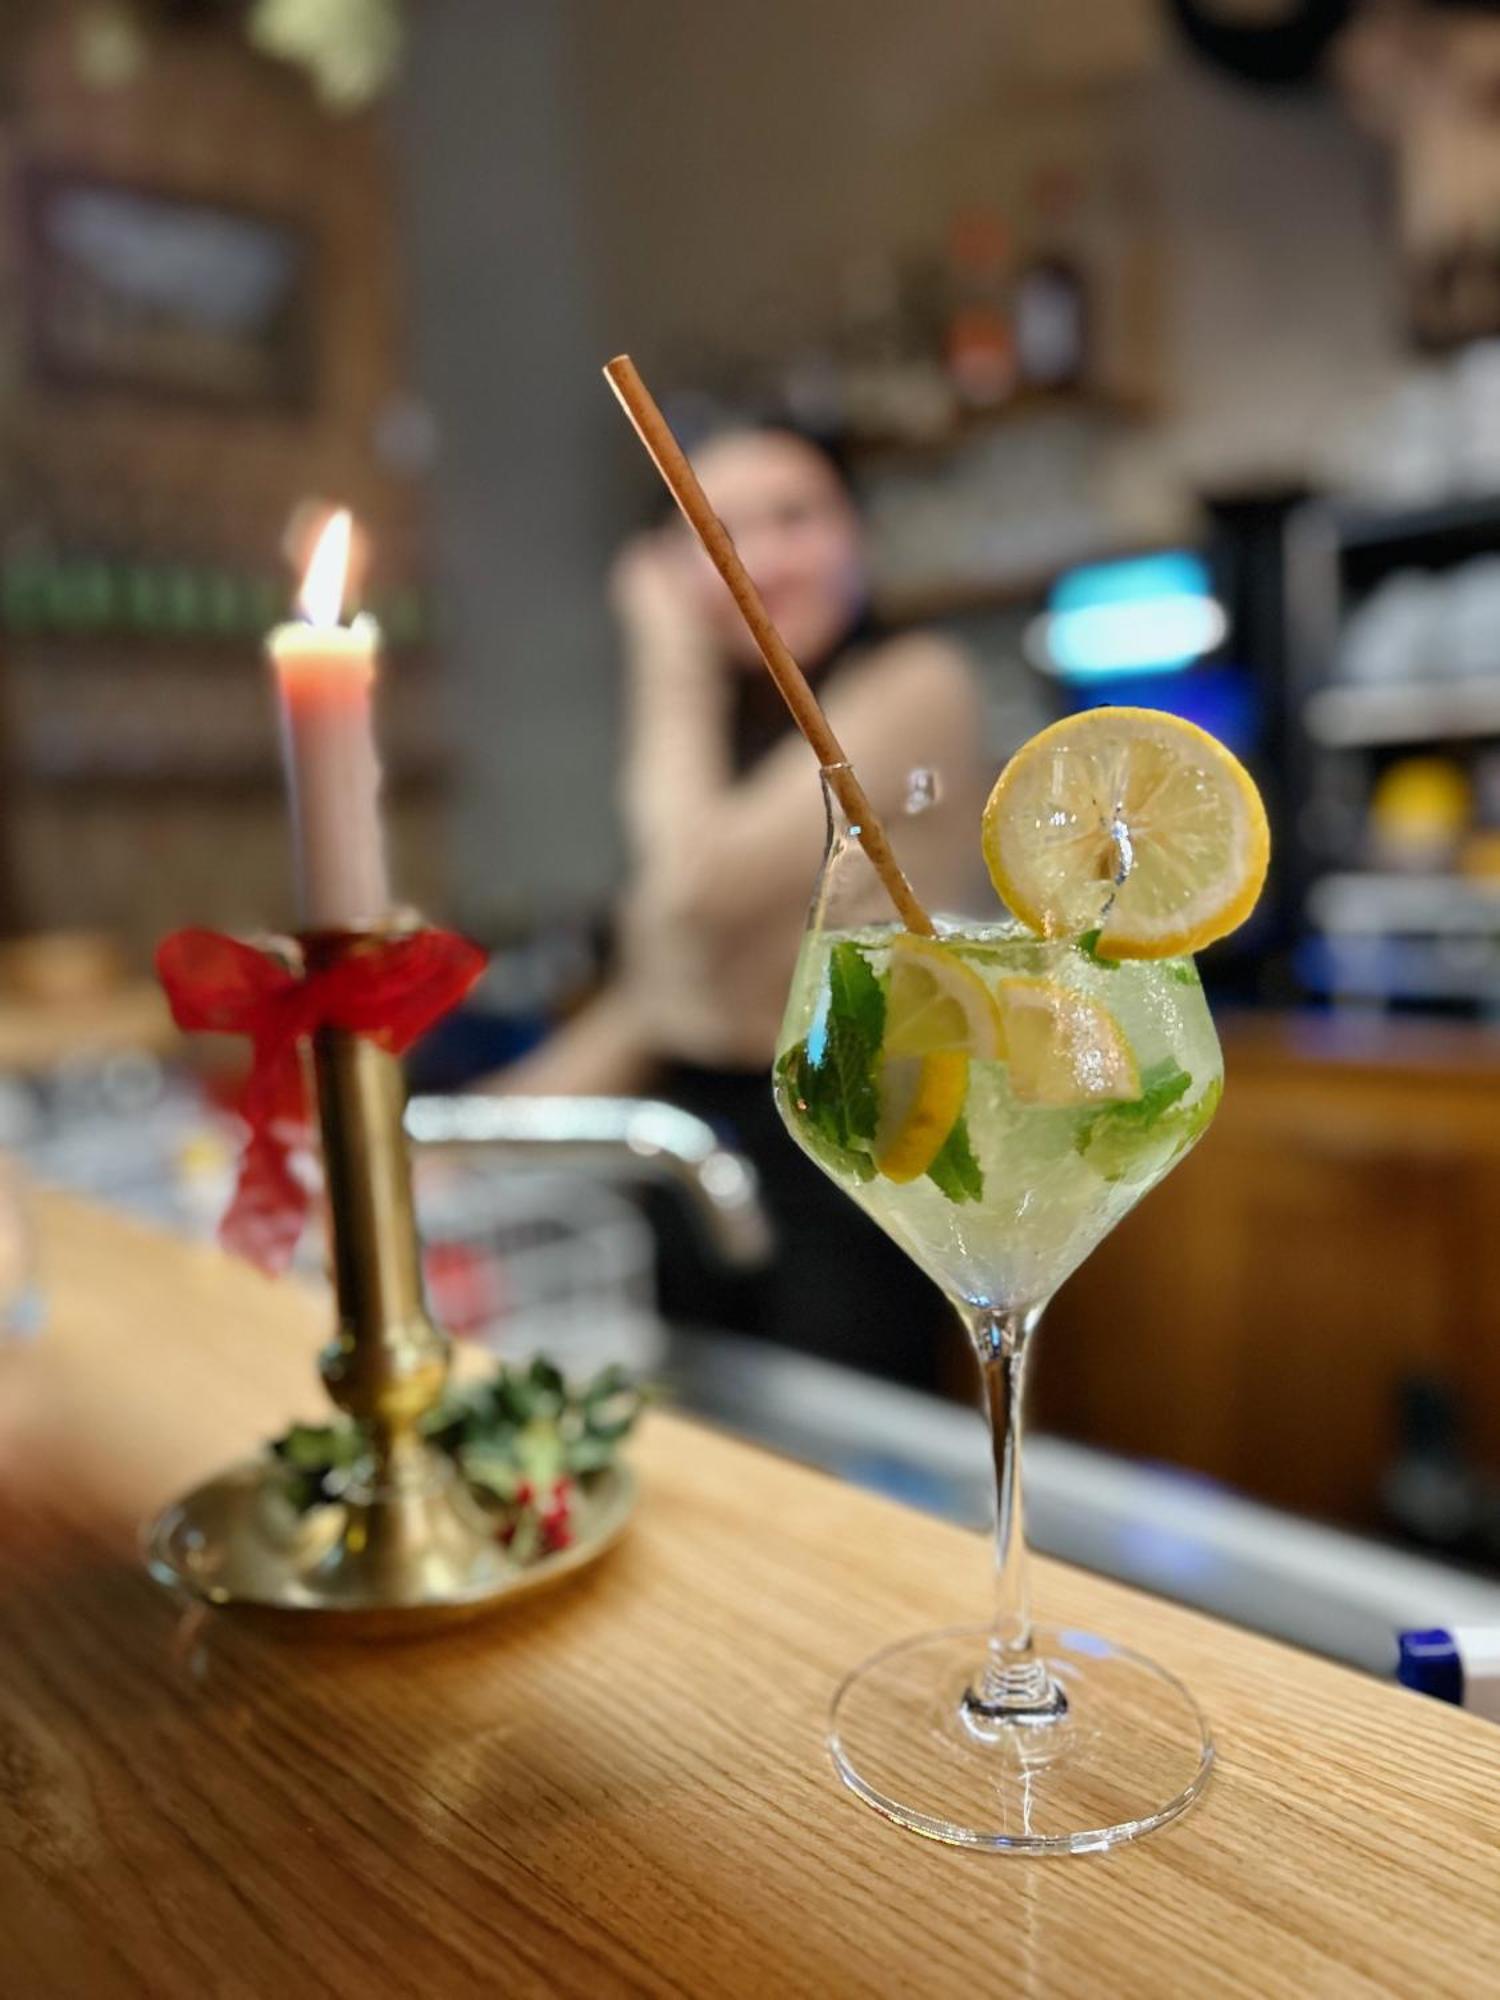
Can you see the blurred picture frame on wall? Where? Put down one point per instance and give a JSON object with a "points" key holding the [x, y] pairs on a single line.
{"points": [[160, 294]]}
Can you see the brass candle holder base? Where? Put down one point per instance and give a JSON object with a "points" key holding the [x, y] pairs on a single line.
{"points": [[408, 1546], [363, 1571]]}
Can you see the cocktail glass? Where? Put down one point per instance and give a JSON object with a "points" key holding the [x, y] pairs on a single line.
{"points": [[1011, 1736]]}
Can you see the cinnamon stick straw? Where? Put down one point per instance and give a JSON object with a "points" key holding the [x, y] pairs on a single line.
{"points": [[682, 482]]}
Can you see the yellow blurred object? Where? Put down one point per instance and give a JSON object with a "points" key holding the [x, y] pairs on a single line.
{"points": [[1419, 811], [1479, 857], [205, 1155]]}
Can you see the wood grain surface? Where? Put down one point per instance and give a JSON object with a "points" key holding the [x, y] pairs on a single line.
{"points": [[621, 1789]]}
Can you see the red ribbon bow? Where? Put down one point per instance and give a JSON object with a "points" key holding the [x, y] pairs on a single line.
{"points": [[391, 992]]}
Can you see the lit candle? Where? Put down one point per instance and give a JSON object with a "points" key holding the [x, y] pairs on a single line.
{"points": [[325, 675]]}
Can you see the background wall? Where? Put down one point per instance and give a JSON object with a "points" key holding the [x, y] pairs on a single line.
{"points": [[572, 177], [588, 177], [510, 335], [741, 159], [1281, 306], [144, 785]]}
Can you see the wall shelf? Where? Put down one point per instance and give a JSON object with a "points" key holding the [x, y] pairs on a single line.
{"points": [[1374, 903], [1352, 718], [1015, 590], [866, 449]]}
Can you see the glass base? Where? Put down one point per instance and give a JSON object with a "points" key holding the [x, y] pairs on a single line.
{"points": [[1123, 1753]]}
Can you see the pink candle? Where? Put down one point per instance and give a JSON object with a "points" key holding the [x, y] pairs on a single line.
{"points": [[325, 675]]}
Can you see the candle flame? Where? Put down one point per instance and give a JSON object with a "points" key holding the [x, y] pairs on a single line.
{"points": [[321, 598]]}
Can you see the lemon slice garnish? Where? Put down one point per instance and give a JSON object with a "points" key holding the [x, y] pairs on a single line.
{"points": [[935, 1003], [1131, 823], [921, 1098], [1064, 1047]]}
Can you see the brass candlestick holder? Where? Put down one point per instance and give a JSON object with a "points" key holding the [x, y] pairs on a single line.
{"points": [[408, 1545]]}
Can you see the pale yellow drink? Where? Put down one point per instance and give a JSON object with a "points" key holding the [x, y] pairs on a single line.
{"points": [[1034, 1186]]}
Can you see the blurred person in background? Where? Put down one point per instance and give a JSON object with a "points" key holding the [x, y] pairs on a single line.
{"points": [[725, 825]]}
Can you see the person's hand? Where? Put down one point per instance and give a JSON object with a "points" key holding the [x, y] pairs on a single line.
{"points": [[657, 597]]}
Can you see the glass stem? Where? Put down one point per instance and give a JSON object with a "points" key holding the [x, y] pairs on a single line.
{"points": [[1014, 1685]]}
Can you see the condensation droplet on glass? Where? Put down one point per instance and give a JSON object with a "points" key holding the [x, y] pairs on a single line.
{"points": [[921, 791]]}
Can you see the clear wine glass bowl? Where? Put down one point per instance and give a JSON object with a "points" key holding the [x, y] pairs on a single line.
{"points": [[1010, 1735]]}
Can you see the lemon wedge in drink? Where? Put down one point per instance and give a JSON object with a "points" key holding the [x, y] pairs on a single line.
{"points": [[1131, 824], [935, 1003], [921, 1098], [939, 1014], [1064, 1048]]}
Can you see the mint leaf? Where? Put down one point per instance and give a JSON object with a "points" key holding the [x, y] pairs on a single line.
{"points": [[1113, 1137], [854, 1026], [1088, 944], [830, 1077], [955, 1170], [1161, 1086], [820, 1124], [1190, 1122]]}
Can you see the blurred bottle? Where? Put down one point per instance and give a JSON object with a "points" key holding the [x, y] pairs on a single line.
{"points": [[812, 389], [183, 600], [273, 600], [142, 596], [890, 382], [403, 617], [1420, 810], [1431, 1493], [93, 538], [23, 586], [980, 344], [1479, 852], [1052, 290], [58, 612], [92, 593], [221, 595]]}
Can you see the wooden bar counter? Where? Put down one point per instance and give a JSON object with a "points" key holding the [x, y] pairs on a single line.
{"points": [[620, 1788], [1332, 1239]]}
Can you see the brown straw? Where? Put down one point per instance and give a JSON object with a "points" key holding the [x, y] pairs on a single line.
{"points": [[682, 482]]}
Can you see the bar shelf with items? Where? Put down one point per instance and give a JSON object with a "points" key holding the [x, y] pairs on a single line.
{"points": [[55, 595], [135, 716], [986, 524], [1356, 718], [1030, 448], [1394, 618], [988, 386]]}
